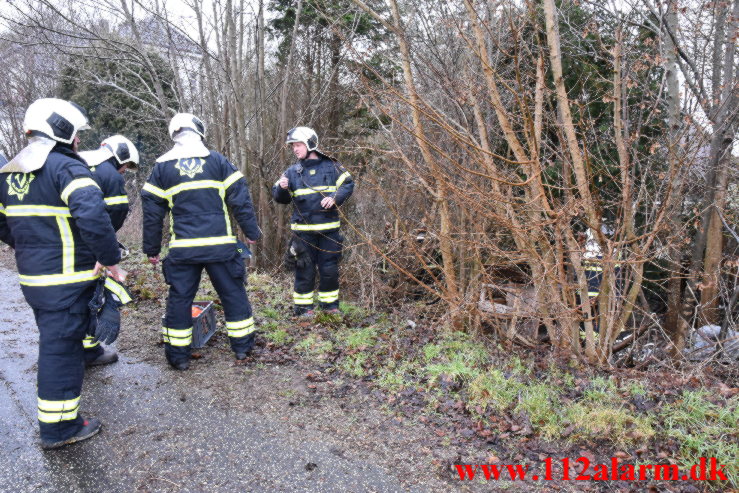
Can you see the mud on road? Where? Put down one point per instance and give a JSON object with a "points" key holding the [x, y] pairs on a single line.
{"points": [[221, 426]]}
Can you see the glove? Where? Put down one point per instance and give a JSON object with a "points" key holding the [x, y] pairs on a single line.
{"points": [[296, 255], [105, 305], [95, 304], [243, 250], [108, 322], [124, 250]]}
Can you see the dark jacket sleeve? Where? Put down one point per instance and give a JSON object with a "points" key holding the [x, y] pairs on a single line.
{"points": [[116, 199], [5, 235], [155, 206], [281, 195], [238, 198], [85, 201], [344, 185]]}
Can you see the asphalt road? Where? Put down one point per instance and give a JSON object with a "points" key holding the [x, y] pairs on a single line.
{"points": [[160, 432]]}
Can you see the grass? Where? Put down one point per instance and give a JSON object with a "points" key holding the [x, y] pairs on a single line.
{"points": [[539, 402], [359, 339], [270, 313], [704, 429], [314, 345], [591, 410], [492, 390], [354, 364], [394, 376], [620, 426]]}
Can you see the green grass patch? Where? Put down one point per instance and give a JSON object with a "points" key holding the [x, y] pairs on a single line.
{"points": [[330, 319], [271, 313], [352, 312], [395, 376], [619, 425], [354, 364], [314, 346], [704, 429], [278, 336], [492, 390], [541, 404], [455, 356], [602, 390], [359, 338]]}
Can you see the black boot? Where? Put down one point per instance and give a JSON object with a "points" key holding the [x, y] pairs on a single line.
{"points": [[180, 365], [106, 358], [90, 427]]}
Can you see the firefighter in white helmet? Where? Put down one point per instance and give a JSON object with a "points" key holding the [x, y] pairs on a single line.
{"points": [[194, 185], [53, 215], [108, 163], [317, 186]]}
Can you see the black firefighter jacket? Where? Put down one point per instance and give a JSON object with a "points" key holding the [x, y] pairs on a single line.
{"points": [[113, 185], [195, 191], [309, 181], [55, 219]]}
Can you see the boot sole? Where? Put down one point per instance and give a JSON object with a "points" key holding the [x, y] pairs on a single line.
{"points": [[71, 440], [101, 363]]}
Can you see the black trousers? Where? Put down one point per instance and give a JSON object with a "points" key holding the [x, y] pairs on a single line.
{"points": [[324, 250], [229, 280], [61, 368]]}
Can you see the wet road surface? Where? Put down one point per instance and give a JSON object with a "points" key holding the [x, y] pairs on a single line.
{"points": [[161, 432]]}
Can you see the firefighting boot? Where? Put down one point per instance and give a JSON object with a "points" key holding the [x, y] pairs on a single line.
{"points": [[90, 427], [106, 358], [180, 365]]}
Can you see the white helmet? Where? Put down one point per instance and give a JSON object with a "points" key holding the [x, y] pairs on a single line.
{"points": [[186, 120], [55, 118], [123, 150], [305, 135]]}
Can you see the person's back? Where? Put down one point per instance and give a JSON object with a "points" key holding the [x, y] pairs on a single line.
{"points": [[195, 186], [195, 190], [53, 215], [55, 264]]}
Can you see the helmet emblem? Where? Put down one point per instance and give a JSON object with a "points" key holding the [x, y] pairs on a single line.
{"points": [[19, 183], [190, 166]]}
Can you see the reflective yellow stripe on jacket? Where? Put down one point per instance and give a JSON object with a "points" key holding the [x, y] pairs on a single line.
{"points": [[37, 210], [315, 227], [207, 241], [308, 191], [62, 215], [58, 279], [232, 179], [76, 184], [116, 200], [221, 187], [342, 178]]}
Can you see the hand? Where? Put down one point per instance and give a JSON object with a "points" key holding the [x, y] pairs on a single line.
{"points": [[113, 271], [283, 182], [117, 273], [328, 202], [154, 260]]}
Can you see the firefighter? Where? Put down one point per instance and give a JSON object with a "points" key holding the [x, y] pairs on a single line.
{"points": [[194, 185], [53, 215], [115, 156], [317, 186]]}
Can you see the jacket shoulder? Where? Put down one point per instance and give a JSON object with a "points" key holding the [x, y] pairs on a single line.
{"points": [[59, 162]]}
